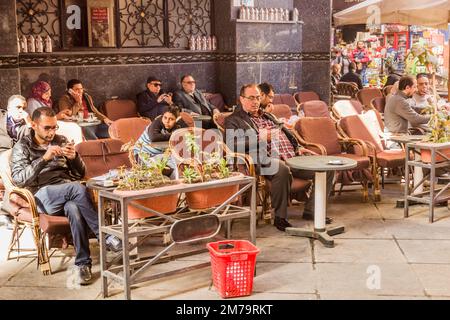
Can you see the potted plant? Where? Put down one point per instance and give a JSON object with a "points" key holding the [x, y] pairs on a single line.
{"points": [[440, 133], [206, 167], [147, 173]]}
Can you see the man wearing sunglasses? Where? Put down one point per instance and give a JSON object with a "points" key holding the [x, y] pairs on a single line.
{"points": [[191, 100], [48, 165], [152, 102]]}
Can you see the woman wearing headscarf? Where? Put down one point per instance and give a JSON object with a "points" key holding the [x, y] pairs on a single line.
{"points": [[41, 94]]}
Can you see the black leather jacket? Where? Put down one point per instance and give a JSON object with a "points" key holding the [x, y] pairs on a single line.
{"points": [[30, 170]]}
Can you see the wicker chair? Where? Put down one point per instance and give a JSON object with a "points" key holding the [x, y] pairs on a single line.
{"points": [[128, 129]]}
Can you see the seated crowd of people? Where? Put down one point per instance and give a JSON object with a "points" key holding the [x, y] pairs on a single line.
{"points": [[46, 163]]}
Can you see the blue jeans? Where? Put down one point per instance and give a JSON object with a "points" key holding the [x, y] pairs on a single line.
{"points": [[72, 200]]}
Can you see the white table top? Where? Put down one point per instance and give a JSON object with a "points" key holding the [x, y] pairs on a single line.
{"points": [[321, 163]]}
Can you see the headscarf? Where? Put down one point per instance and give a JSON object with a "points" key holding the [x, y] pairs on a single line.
{"points": [[38, 90]]}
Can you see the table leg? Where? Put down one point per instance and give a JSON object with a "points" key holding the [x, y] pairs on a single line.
{"points": [[320, 232], [125, 251], [253, 213], [102, 239]]}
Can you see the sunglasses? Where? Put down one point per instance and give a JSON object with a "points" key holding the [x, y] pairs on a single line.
{"points": [[157, 84], [190, 82]]}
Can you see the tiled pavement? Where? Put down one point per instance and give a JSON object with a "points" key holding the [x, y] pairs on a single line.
{"points": [[381, 256]]}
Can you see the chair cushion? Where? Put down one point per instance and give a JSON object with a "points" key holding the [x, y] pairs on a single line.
{"points": [[316, 109], [306, 96], [282, 111], [118, 109], [391, 158], [128, 129], [366, 95], [355, 127], [216, 99], [100, 156], [321, 131], [286, 99]]}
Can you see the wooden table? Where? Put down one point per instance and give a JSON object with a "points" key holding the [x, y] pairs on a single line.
{"points": [[129, 271], [320, 165]]}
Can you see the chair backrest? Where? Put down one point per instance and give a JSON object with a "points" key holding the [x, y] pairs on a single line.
{"points": [[216, 99], [320, 131], [282, 111], [378, 104], [128, 129], [367, 94], [387, 90], [345, 108], [305, 96], [219, 120], [187, 118], [71, 131], [362, 127], [100, 156], [349, 89], [286, 98], [314, 109], [117, 109]]}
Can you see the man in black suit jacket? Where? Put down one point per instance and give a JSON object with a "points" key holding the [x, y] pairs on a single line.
{"points": [[151, 102], [192, 100]]}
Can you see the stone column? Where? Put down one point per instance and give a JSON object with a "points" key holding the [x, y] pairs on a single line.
{"points": [[9, 56]]}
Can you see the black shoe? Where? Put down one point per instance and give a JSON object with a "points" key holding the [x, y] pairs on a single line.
{"points": [[113, 243], [310, 217], [84, 274], [281, 224]]}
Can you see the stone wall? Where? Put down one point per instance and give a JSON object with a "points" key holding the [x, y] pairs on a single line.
{"points": [[293, 57]]}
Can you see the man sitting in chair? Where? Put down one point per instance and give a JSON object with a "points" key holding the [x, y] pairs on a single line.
{"points": [[253, 129], [192, 100], [48, 165]]}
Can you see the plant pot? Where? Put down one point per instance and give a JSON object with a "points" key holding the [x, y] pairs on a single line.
{"points": [[163, 204], [208, 198], [426, 155]]}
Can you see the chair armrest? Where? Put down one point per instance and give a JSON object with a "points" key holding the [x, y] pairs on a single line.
{"points": [[28, 197], [356, 142], [303, 151]]}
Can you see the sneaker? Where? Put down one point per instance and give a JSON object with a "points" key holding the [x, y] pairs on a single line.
{"points": [[310, 217], [113, 243], [84, 275], [281, 224]]}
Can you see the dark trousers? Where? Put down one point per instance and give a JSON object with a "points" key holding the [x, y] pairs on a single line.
{"points": [[96, 132], [281, 187], [72, 200]]}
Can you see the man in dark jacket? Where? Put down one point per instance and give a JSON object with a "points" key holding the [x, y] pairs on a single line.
{"points": [[152, 101], [352, 76], [48, 165], [257, 133], [192, 100]]}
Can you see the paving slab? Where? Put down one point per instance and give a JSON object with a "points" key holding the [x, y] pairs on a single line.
{"points": [[362, 229], [46, 293], [364, 279], [426, 251], [359, 251], [435, 278], [418, 229], [284, 249]]}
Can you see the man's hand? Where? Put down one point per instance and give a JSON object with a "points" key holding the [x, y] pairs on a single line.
{"points": [[52, 151], [69, 151], [216, 111], [108, 121], [77, 96], [64, 114]]}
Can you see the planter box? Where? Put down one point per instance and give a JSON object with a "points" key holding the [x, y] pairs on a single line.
{"points": [[426, 155], [163, 204], [208, 198]]}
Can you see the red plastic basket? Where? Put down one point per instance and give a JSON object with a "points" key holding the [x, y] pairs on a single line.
{"points": [[233, 266]]}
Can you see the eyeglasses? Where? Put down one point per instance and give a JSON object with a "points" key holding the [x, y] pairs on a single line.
{"points": [[157, 84], [50, 128], [253, 98], [189, 82]]}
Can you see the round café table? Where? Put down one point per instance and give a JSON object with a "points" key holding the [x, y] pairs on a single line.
{"points": [[320, 165]]}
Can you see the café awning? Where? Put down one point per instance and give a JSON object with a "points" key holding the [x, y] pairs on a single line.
{"points": [[430, 13]]}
